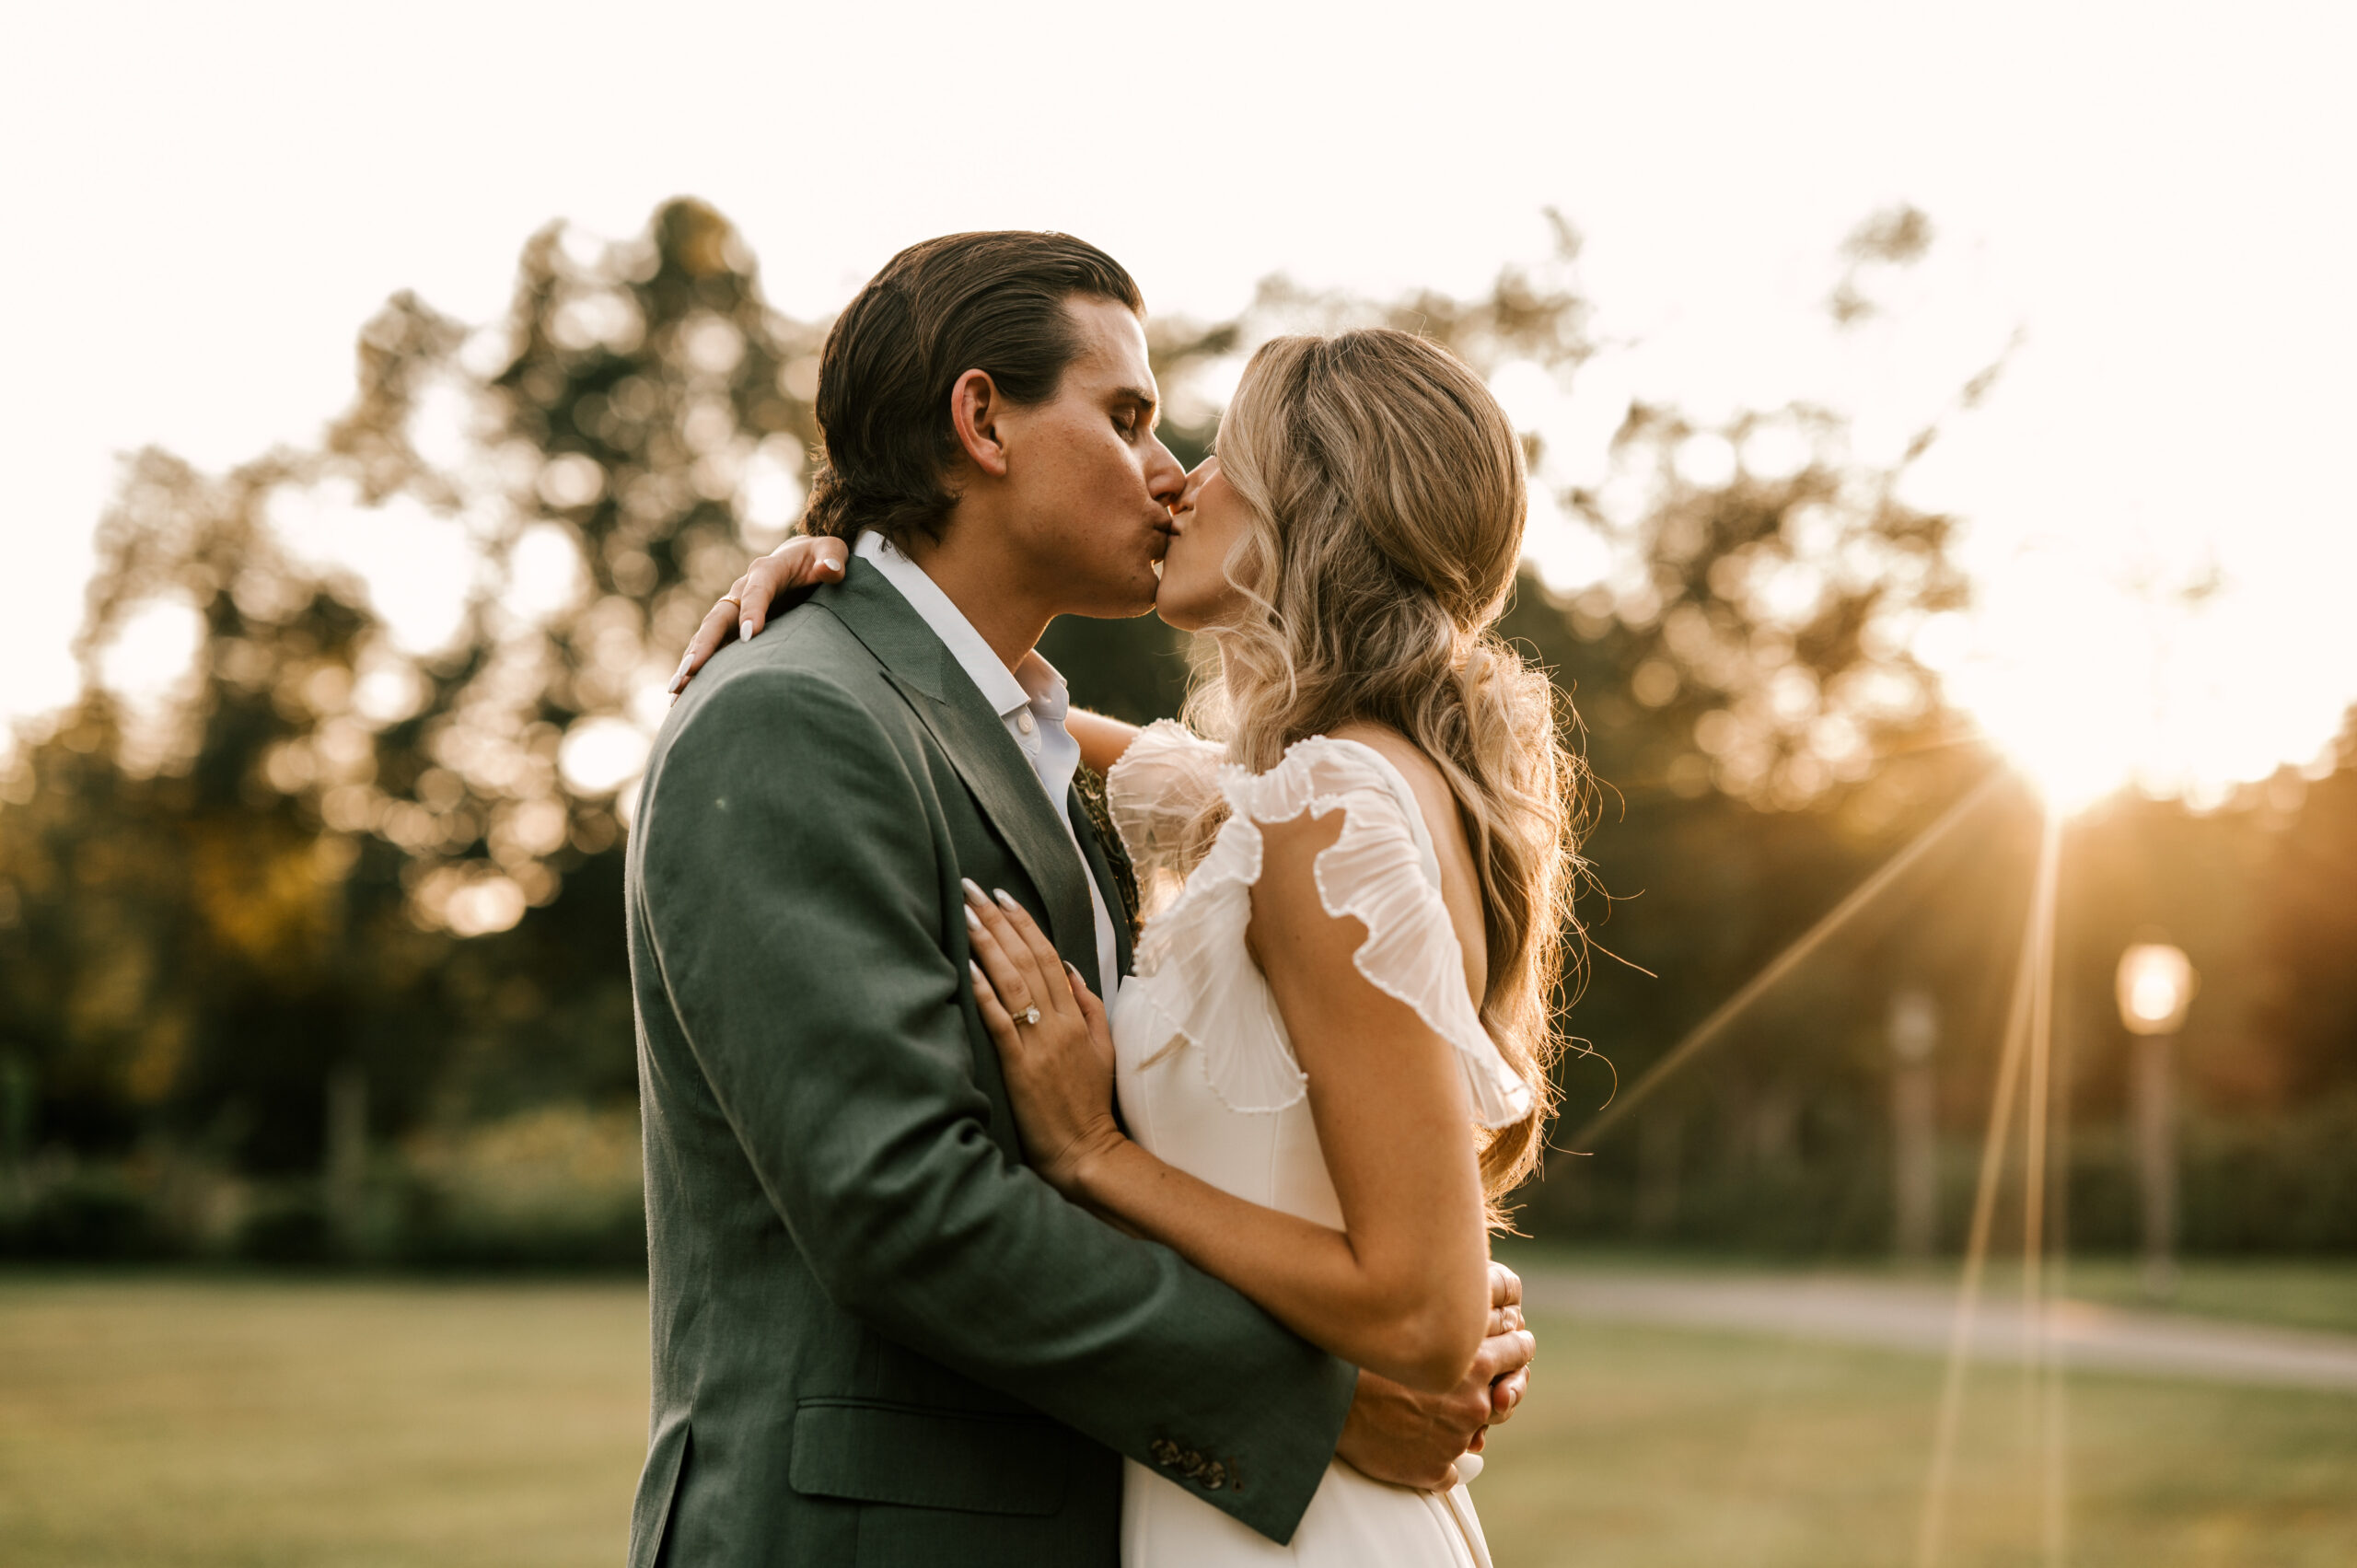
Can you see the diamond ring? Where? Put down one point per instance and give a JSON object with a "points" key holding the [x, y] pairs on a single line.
{"points": [[1028, 1016]]}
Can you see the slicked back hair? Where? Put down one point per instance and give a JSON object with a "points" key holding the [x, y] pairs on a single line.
{"points": [[993, 302]]}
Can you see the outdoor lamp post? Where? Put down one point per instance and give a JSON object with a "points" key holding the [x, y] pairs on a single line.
{"points": [[1914, 1097], [2156, 984]]}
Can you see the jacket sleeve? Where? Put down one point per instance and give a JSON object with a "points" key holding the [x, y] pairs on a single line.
{"points": [[801, 917]]}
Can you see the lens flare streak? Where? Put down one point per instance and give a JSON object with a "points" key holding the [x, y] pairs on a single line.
{"points": [[1783, 964], [2028, 1042]]}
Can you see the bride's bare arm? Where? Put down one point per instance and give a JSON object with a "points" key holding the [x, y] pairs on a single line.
{"points": [[1102, 741], [801, 562], [1402, 1289]]}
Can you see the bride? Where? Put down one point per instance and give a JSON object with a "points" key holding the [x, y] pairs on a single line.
{"points": [[1331, 1062]]}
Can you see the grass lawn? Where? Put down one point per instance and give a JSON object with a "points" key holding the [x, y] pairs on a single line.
{"points": [[1649, 1449], [2293, 1296], [179, 1419], [184, 1420], [2319, 1293]]}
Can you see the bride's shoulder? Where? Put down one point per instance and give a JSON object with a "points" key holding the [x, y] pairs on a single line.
{"points": [[1407, 759], [1355, 760], [1402, 756], [1436, 806]]}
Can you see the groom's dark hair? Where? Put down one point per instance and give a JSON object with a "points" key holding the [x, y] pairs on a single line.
{"points": [[993, 302]]}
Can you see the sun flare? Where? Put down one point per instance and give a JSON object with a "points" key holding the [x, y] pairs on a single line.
{"points": [[2092, 685]]}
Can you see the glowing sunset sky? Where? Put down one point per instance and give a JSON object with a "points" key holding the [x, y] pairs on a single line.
{"points": [[202, 212]]}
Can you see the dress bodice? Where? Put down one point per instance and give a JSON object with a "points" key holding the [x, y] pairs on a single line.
{"points": [[1208, 1080], [1207, 1077]]}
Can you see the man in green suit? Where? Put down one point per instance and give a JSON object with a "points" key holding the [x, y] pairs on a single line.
{"points": [[878, 1337]]}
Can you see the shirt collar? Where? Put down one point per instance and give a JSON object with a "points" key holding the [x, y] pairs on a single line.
{"points": [[1033, 681]]}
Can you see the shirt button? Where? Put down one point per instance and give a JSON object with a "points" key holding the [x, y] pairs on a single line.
{"points": [[1022, 722]]}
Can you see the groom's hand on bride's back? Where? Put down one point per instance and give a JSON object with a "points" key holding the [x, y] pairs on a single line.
{"points": [[1409, 1438]]}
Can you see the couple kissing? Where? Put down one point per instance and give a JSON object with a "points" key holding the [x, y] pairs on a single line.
{"points": [[1041, 1172]]}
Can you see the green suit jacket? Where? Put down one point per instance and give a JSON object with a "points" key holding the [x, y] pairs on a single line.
{"points": [[880, 1338]]}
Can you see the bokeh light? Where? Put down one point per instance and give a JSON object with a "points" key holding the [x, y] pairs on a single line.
{"points": [[2155, 985]]}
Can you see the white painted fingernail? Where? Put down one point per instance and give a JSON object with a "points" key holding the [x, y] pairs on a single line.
{"points": [[745, 630], [973, 889], [1004, 902], [976, 971], [973, 921]]}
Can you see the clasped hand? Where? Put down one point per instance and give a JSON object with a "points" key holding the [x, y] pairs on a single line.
{"points": [[1054, 1043]]}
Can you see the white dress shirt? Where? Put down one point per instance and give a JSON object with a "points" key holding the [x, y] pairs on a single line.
{"points": [[1031, 700]]}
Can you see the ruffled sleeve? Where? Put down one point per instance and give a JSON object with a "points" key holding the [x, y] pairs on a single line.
{"points": [[1157, 795], [1195, 973]]}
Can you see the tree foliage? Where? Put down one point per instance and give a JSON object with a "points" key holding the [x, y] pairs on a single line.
{"points": [[340, 844], [321, 847]]}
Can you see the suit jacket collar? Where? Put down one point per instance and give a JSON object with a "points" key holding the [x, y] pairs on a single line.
{"points": [[974, 737]]}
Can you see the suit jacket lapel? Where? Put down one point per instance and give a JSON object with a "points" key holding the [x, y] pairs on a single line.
{"points": [[995, 770]]}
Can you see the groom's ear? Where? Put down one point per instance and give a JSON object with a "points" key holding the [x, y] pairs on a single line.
{"points": [[976, 411]]}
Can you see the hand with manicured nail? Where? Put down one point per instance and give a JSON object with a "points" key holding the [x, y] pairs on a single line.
{"points": [[1055, 1046], [800, 562]]}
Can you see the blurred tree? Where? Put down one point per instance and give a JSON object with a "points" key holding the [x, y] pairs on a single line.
{"points": [[2308, 980], [341, 844], [279, 868], [405, 859], [1764, 738], [188, 945], [1893, 236], [1765, 609]]}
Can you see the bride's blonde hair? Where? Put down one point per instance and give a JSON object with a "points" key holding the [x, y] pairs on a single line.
{"points": [[1387, 497]]}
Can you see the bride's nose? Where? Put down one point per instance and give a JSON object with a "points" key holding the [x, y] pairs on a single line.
{"points": [[1185, 501]]}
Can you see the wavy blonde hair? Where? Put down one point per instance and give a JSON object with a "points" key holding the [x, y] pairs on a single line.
{"points": [[1387, 497]]}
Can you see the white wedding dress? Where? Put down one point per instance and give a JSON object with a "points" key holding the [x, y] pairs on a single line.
{"points": [[1208, 1081]]}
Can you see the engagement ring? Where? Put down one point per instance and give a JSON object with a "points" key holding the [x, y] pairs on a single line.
{"points": [[1028, 1016]]}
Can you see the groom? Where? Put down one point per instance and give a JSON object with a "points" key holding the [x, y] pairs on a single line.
{"points": [[878, 1337]]}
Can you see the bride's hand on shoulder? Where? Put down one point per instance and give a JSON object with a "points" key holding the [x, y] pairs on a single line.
{"points": [[801, 562], [1054, 1042]]}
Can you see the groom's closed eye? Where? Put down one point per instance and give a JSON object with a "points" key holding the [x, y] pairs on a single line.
{"points": [[1135, 411]]}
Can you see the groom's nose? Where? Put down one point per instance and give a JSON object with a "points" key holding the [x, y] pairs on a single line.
{"points": [[1166, 477]]}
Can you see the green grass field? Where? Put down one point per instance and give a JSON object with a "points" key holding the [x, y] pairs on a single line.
{"points": [[2317, 1293], [177, 1420]]}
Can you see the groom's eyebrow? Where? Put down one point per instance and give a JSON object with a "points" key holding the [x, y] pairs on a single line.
{"points": [[1147, 403]]}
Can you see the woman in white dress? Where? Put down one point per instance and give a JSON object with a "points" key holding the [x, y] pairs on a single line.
{"points": [[1332, 1060]]}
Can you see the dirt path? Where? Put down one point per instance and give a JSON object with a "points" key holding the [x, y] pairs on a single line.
{"points": [[1921, 1318]]}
